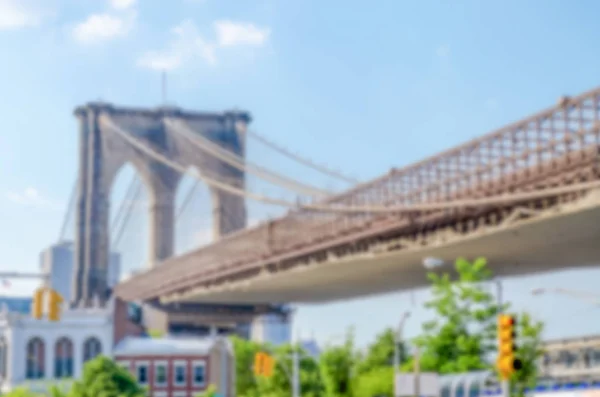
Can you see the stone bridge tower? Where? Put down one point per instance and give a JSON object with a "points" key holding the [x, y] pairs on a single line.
{"points": [[102, 153]]}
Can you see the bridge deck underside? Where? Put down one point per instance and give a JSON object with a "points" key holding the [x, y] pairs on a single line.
{"points": [[560, 239], [313, 256]]}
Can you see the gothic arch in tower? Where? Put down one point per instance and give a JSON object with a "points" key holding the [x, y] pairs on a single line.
{"points": [[103, 151]]}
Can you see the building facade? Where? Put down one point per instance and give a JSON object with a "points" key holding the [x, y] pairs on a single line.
{"points": [[573, 358], [179, 367], [58, 263], [35, 353]]}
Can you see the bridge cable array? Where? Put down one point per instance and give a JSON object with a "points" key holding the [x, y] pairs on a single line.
{"points": [[301, 160], [69, 213], [498, 200], [125, 211], [240, 163]]}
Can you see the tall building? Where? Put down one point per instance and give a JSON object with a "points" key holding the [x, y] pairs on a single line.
{"points": [[57, 262], [274, 329]]}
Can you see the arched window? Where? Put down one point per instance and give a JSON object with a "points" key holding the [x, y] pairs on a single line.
{"points": [[63, 358], [91, 348], [35, 359], [3, 357]]}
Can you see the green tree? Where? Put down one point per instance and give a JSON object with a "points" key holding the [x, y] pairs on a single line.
{"points": [[103, 377], [211, 391], [280, 384], [337, 364], [462, 335], [378, 382], [245, 352], [21, 392], [381, 352]]}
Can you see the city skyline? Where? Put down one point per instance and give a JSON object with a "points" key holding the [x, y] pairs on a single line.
{"points": [[444, 79]]}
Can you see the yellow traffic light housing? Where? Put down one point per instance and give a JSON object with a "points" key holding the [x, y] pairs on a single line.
{"points": [[37, 305], [54, 305], [264, 364], [507, 363], [268, 366], [46, 298], [259, 360]]}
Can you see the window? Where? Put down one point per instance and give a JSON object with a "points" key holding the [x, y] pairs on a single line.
{"points": [[160, 374], [142, 373], [199, 373], [63, 358], [91, 349], [180, 373], [35, 359]]}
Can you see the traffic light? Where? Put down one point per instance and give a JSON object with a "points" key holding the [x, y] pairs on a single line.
{"points": [[37, 306], [259, 363], [263, 364], [268, 366], [54, 305], [507, 362]]}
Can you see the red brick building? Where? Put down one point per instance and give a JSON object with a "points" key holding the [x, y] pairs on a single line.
{"points": [[178, 367]]}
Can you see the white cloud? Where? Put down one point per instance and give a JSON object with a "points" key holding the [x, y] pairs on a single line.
{"points": [[102, 27], [188, 44], [16, 14], [443, 51], [231, 34], [31, 197], [122, 4]]}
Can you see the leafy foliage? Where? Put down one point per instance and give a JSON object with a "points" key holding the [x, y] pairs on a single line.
{"points": [[103, 377], [211, 391], [529, 351], [378, 382], [381, 352], [462, 335], [337, 365], [21, 392]]}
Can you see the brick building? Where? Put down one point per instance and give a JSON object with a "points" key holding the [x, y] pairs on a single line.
{"points": [[179, 367]]}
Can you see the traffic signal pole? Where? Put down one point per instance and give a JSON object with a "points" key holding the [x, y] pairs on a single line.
{"points": [[505, 384]]}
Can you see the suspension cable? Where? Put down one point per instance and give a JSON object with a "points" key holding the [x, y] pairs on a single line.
{"points": [[297, 158], [128, 197], [130, 206], [69, 212], [498, 200], [240, 163]]}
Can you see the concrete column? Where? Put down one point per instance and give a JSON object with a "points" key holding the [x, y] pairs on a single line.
{"points": [[77, 357], [213, 331], [162, 233], [228, 213], [80, 214], [49, 348], [97, 211]]}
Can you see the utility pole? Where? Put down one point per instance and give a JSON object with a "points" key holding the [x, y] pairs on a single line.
{"points": [[296, 367], [505, 384]]}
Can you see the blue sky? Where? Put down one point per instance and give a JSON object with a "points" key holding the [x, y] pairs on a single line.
{"points": [[359, 86]]}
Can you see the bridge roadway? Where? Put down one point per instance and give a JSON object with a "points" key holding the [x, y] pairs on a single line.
{"points": [[311, 256]]}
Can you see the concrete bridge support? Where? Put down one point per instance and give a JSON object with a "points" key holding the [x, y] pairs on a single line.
{"points": [[102, 153]]}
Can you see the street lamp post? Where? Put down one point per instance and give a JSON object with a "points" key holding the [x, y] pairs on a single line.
{"points": [[586, 296], [398, 337]]}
